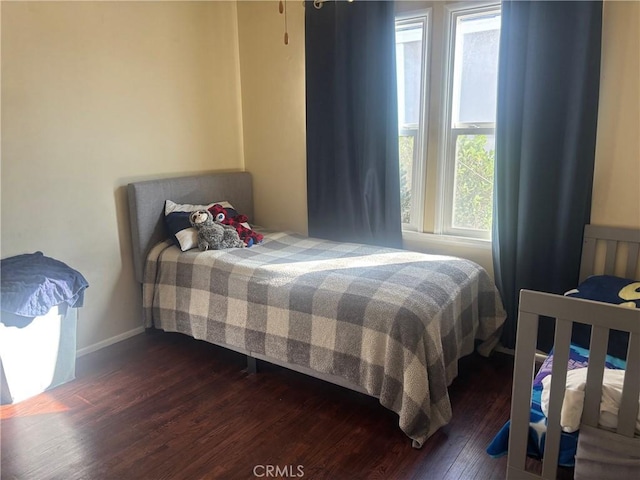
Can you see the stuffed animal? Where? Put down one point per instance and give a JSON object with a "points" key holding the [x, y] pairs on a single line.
{"points": [[213, 235], [228, 216]]}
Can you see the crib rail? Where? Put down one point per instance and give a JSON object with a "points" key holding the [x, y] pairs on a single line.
{"points": [[610, 251], [566, 310]]}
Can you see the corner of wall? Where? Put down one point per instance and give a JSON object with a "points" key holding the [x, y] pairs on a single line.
{"points": [[238, 73]]}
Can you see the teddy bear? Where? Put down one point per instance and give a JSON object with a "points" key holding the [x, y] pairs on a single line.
{"points": [[228, 216], [213, 235]]}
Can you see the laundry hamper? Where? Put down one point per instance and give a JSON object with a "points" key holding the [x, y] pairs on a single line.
{"points": [[38, 319]]}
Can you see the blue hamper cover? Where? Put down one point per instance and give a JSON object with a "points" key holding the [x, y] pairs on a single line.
{"points": [[39, 296]]}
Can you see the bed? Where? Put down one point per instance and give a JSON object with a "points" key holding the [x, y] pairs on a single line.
{"points": [[388, 323], [602, 448]]}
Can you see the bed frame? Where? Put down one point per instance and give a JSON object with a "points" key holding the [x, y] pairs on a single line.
{"points": [[609, 251]]}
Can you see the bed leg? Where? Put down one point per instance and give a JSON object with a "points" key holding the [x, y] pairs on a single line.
{"points": [[252, 365]]}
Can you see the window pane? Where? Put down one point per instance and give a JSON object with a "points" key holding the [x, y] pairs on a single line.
{"points": [[407, 143], [476, 68], [473, 190], [409, 70]]}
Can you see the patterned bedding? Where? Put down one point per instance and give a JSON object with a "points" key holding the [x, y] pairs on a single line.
{"points": [[393, 322], [578, 358]]}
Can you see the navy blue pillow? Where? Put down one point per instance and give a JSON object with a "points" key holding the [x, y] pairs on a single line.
{"points": [[608, 289], [177, 225]]}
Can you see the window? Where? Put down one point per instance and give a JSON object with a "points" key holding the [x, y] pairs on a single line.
{"points": [[411, 60], [457, 146]]}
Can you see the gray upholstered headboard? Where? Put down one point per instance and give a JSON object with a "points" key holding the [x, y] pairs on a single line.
{"points": [[146, 204]]}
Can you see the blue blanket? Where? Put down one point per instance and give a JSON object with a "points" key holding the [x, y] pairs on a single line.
{"points": [[578, 357], [33, 283]]}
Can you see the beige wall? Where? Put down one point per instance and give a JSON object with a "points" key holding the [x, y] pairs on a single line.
{"points": [[273, 112], [95, 95], [616, 186]]}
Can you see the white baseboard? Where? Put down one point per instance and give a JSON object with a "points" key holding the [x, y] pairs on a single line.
{"points": [[109, 341]]}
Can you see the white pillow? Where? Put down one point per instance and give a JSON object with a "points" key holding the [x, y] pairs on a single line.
{"points": [[176, 217], [571, 412], [170, 207]]}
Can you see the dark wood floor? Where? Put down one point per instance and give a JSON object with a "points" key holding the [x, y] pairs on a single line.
{"points": [[165, 406]]}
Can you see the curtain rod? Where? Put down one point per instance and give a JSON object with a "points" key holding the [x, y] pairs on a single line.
{"points": [[318, 3]]}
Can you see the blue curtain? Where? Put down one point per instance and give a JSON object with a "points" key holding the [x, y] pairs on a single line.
{"points": [[548, 86], [353, 186]]}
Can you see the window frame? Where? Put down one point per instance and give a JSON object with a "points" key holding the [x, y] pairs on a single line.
{"points": [[450, 131], [433, 182], [419, 131]]}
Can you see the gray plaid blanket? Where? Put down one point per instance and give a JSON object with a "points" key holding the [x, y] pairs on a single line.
{"points": [[393, 322]]}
